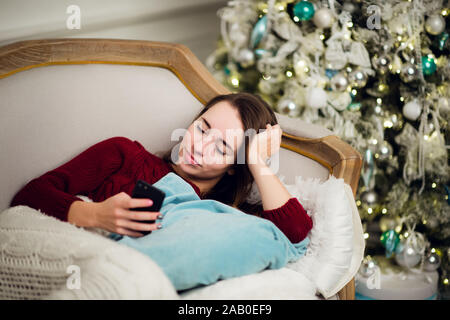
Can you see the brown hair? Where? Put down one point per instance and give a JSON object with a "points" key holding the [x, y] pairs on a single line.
{"points": [[255, 113]]}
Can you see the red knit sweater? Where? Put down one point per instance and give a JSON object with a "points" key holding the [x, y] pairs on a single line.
{"points": [[114, 165]]}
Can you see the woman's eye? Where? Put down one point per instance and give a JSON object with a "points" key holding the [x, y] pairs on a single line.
{"points": [[198, 127], [220, 151]]}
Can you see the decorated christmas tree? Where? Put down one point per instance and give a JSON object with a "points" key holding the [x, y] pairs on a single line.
{"points": [[377, 74]]}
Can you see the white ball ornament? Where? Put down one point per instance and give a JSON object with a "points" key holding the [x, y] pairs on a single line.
{"points": [[323, 18], [435, 24], [412, 110], [316, 98]]}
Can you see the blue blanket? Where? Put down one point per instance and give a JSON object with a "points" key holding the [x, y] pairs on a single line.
{"points": [[204, 241]]}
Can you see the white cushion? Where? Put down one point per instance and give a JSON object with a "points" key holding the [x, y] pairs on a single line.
{"points": [[336, 246]]}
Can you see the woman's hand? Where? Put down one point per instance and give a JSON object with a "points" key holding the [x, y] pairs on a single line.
{"points": [[114, 214], [264, 144]]}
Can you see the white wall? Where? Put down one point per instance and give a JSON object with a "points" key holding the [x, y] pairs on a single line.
{"points": [[193, 23]]}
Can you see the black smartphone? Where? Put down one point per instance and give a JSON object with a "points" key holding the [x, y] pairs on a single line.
{"points": [[144, 190]]}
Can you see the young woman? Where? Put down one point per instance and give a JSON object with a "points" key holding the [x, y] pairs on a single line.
{"points": [[209, 158]]}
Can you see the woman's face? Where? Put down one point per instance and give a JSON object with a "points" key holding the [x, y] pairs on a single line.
{"points": [[213, 141]]}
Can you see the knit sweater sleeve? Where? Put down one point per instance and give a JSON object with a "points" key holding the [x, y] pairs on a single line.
{"points": [[54, 191], [291, 218]]}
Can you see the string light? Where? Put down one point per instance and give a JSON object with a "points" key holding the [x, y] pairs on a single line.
{"points": [[301, 63], [388, 124], [378, 109]]}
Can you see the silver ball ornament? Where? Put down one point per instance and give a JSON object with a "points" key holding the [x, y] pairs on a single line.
{"points": [[435, 24], [412, 110], [367, 267], [323, 18], [432, 261], [357, 78], [385, 151], [406, 255], [246, 58], [409, 72], [381, 63], [288, 107], [339, 82], [369, 197]]}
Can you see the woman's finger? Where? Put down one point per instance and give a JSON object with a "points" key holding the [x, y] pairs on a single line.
{"points": [[139, 203], [141, 215], [138, 226], [127, 232]]}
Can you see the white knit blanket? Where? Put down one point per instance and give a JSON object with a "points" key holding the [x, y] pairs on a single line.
{"points": [[44, 258]]}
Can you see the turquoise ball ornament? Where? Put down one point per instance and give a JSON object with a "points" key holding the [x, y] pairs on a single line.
{"points": [[428, 65], [304, 10], [390, 239]]}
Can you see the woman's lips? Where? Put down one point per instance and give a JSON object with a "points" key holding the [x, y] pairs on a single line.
{"points": [[188, 157]]}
